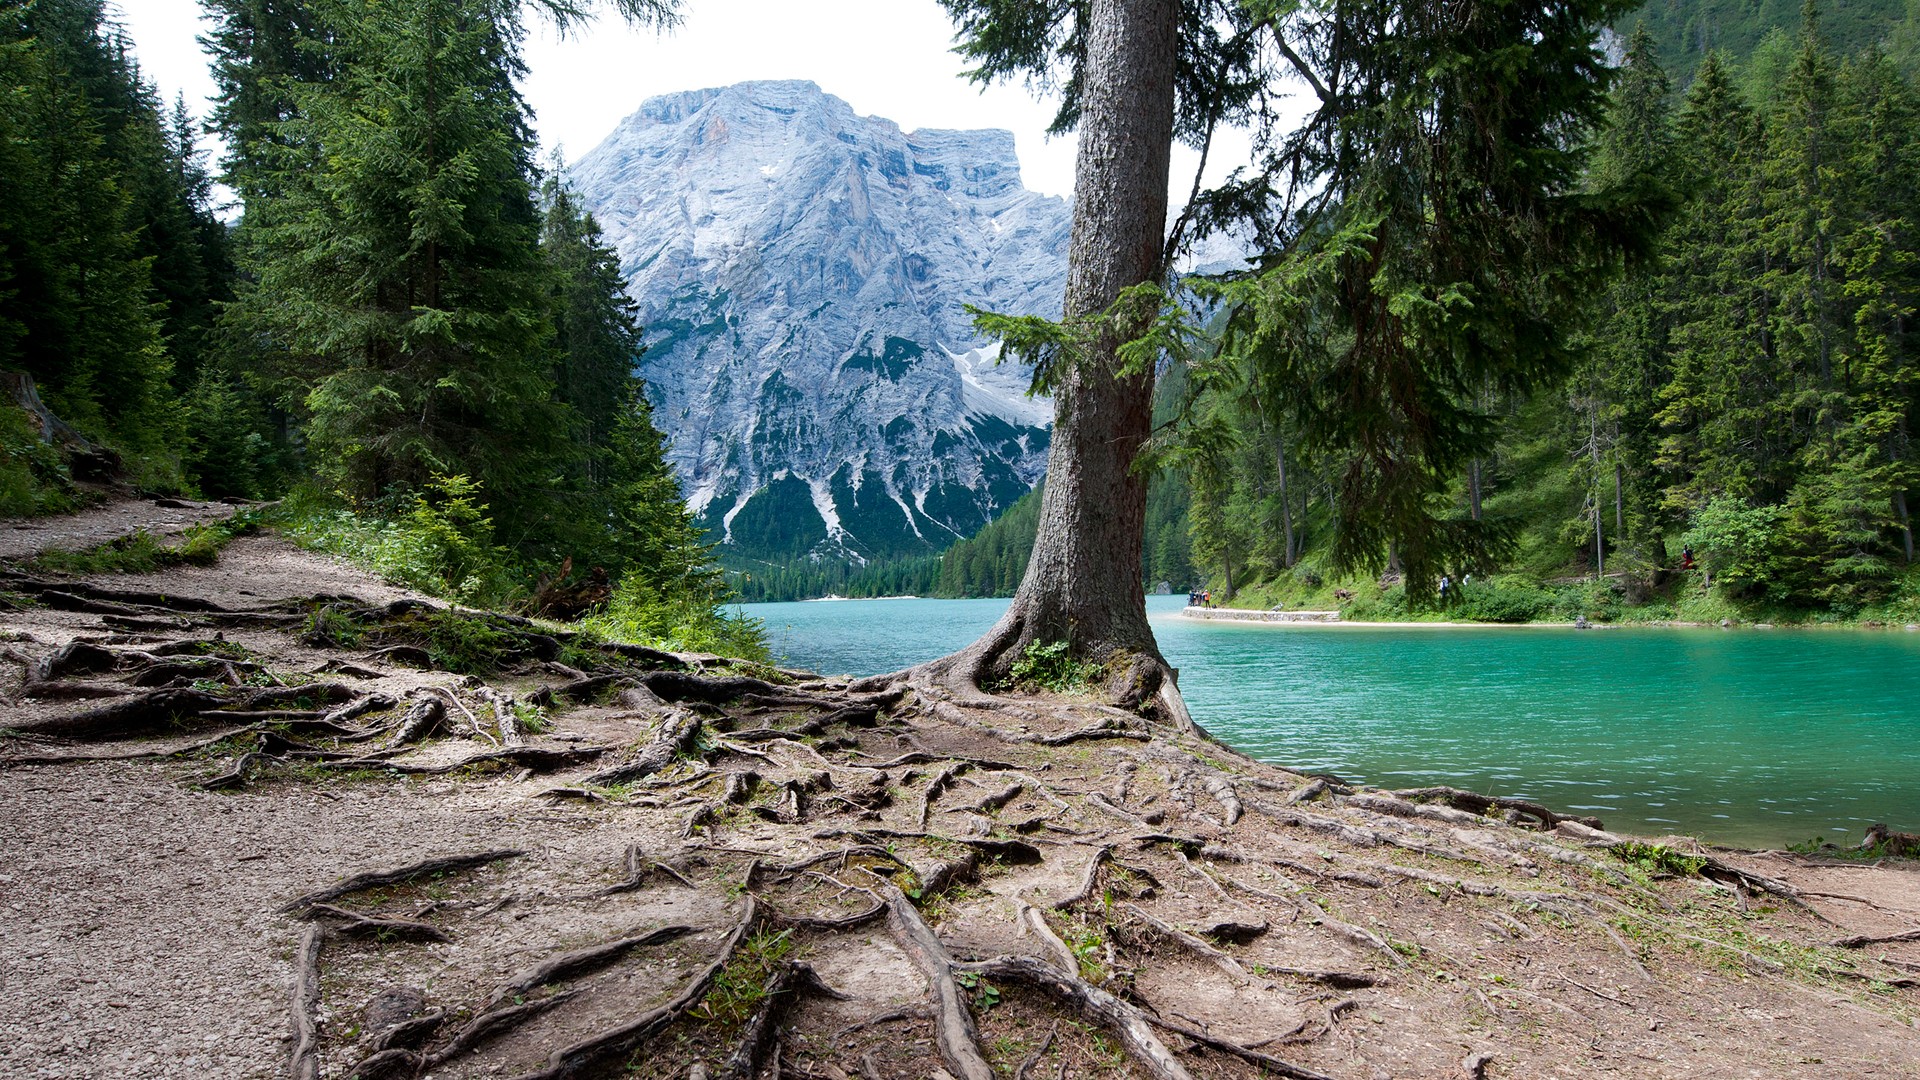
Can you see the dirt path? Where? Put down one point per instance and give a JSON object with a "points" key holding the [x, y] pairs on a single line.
{"points": [[23, 538], [691, 834]]}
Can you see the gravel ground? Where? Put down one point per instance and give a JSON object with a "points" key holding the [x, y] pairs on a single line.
{"points": [[22, 538]]}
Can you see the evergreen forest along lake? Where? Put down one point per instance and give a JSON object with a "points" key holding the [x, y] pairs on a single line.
{"points": [[1745, 737]]}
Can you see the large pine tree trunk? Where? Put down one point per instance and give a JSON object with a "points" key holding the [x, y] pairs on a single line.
{"points": [[1082, 583]]}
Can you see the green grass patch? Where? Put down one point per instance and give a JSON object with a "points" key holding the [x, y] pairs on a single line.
{"points": [[1657, 860], [140, 552], [740, 985]]}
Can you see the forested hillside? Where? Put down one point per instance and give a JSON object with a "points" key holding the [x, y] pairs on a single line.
{"points": [[111, 263], [410, 325], [1686, 31]]}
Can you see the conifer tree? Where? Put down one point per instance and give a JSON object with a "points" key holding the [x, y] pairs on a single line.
{"points": [[1716, 408], [1626, 363], [402, 278], [79, 316], [1879, 255]]}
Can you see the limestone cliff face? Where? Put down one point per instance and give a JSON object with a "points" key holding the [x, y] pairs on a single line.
{"points": [[803, 273]]}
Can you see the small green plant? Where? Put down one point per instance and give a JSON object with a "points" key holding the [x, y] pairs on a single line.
{"points": [[462, 643], [739, 986], [1086, 944], [140, 552], [533, 718], [693, 620], [441, 543], [1657, 860], [1050, 666], [985, 994], [33, 474], [330, 626]]}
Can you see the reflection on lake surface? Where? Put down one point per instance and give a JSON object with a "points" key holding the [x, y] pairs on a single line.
{"points": [[1761, 737]]}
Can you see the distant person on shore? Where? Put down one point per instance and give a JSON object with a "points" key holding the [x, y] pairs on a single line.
{"points": [[1206, 598], [1686, 557], [1446, 582]]}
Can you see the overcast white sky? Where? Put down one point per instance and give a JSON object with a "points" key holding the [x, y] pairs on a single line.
{"points": [[889, 58]]}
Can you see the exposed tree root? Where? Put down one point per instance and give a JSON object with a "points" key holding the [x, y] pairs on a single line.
{"points": [[639, 868], [305, 1064], [1129, 1025], [865, 766], [355, 924], [573, 1060], [1089, 881], [492, 1024], [1034, 922], [580, 962], [1026, 1065], [399, 876], [1861, 941], [676, 734], [420, 720], [954, 1031], [1485, 805], [782, 986], [537, 759]]}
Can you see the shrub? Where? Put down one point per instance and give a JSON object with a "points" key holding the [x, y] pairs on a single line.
{"points": [[691, 621], [1740, 545], [33, 475], [442, 545], [1050, 666], [1503, 600]]}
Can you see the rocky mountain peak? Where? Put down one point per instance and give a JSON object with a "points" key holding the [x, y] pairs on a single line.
{"points": [[804, 273]]}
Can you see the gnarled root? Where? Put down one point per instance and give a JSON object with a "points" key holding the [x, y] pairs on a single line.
{"points": [[306, 1001], [573, 1060], [782, 986], [1486, 805], [954, 1031], [678, 731], [1128, 1024], [399, 875]]}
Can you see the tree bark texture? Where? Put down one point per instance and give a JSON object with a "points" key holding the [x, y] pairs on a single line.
{"points": [[1906, 523], [1286, 504], [1082, 583]]}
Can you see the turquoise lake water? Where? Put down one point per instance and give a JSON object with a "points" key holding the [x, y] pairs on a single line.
{"points": [[1754, 737]]}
